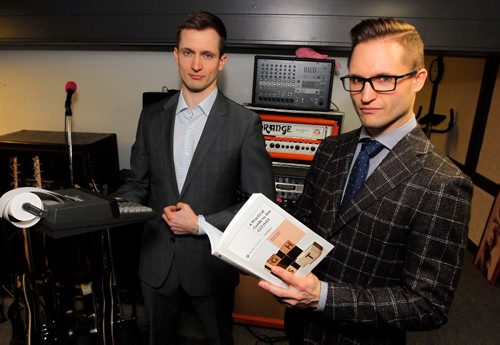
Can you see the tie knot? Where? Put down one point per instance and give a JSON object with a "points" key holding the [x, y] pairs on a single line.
{"points": [[371, 147]]}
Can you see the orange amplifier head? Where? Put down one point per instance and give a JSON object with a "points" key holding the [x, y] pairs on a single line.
{"points": [[297, 138]]}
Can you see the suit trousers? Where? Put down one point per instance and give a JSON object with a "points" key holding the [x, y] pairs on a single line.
{"points": [[335, 332], [164, 306]]}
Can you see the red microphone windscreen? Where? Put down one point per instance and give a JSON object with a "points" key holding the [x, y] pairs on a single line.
{"points": [[70, 85]]}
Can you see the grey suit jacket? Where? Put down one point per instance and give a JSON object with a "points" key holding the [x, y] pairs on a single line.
{"points": [[399, 243], [230, 156]]}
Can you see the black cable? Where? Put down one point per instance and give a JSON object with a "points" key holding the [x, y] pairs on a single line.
{"points": [[10, 293], [336, 107]]}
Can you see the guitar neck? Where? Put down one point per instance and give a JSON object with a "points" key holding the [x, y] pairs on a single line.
{"points": [[14, 171], [37, 171]]}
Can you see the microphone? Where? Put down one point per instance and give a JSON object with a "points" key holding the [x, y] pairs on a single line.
{"points": [[70, 90]]}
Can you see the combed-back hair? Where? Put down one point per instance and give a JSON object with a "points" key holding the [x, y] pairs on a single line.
{"points": [[401, 31]]}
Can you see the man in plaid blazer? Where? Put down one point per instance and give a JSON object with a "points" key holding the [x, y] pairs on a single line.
{"points": [[399, 241]]}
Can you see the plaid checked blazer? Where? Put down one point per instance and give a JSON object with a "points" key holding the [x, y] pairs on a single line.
{"points": [[399, 244]]}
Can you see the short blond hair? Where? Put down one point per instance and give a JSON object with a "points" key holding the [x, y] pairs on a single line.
{"points": [[401, 31]]}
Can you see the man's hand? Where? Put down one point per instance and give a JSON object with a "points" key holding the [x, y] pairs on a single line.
{"points": [[302, 292], [181, 219]]}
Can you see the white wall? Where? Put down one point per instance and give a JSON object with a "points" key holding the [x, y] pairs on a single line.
{"points": [[110, 87]]}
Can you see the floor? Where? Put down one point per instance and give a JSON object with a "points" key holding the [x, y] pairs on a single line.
{"points": [[473, 319], [190, 332]]}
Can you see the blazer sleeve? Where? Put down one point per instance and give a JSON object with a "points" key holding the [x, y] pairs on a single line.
{"points": [[137, 184], [431, 266]]}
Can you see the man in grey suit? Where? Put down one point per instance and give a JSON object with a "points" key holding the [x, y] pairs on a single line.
{"points": [[194, 156], [399, 234]]}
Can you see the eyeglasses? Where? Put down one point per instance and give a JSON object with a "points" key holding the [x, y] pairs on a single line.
{"points": [[379, 83]]}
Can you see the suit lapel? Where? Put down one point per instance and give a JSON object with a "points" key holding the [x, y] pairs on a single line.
{"points": [[341, 162], [399, 165], [213, 127], [169, 116]]}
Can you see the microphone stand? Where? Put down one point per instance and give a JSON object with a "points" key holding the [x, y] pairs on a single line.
{"points": [[68, 119]]}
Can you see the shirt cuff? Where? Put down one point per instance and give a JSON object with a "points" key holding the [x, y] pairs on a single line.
{"points": [[323, 293], [201, 221]]}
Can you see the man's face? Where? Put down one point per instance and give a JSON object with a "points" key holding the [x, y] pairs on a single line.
{"points": [[199, 60], [381, 112]]}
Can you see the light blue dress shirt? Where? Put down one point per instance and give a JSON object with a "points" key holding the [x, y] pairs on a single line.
{"points": [[188, 127]]}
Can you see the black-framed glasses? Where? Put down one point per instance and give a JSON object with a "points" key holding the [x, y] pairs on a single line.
{"points": [[379, 83]]}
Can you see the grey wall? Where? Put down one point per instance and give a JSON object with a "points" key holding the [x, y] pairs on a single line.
{"points": [[110, 87]]}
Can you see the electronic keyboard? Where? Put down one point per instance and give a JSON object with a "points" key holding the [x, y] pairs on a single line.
{"points": [[76, 211]]}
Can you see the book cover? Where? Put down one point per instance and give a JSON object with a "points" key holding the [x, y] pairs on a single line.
{"points": [[262, 235]]}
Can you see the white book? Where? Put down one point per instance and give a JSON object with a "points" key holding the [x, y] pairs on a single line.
{"points": [[262, 235]]}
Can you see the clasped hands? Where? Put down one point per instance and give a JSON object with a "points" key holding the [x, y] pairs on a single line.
{"points": [[181, 219], [302, 292]]}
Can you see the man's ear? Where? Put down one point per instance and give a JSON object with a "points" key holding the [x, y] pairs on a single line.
{"points": [[420, 78], [222, 62], [176, 55]]}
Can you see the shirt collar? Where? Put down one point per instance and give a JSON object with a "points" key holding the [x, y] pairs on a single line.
{"points": [[205, 105], [391, 138]]}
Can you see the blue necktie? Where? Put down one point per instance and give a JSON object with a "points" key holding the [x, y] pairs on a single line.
{"points": [[369, 148]]}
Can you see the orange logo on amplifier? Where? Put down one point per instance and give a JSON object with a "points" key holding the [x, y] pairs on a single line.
{"points": [[297, 138]]}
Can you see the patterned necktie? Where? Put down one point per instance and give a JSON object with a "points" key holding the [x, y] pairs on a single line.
{"points": [[369, 148]]}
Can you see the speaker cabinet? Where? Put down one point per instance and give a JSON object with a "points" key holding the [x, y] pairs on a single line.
{"points": [[95, 160]]}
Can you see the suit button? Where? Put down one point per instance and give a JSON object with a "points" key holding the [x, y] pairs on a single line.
{"points": [[172, 239]]}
